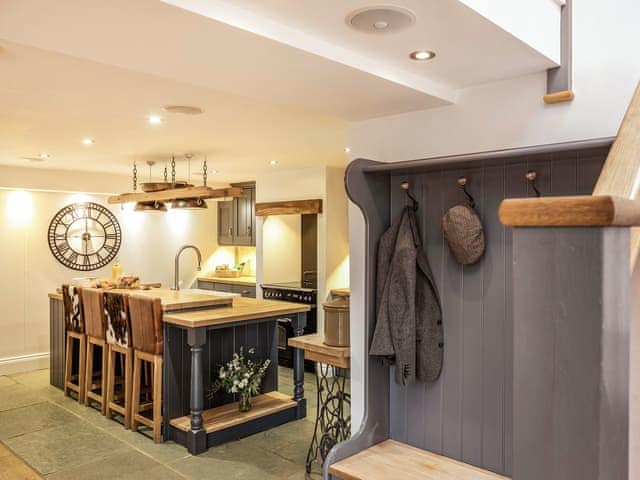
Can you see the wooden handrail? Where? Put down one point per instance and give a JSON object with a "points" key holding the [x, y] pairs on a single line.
{"points": [[620, 174], [583, 211]]}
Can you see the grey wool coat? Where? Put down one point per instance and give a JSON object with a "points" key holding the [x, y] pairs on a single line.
{"points": [[408, 329]]}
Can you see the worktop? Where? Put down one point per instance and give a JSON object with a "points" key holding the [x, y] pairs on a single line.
{"points": [[241, 309], [172, 300], [246, 280]]}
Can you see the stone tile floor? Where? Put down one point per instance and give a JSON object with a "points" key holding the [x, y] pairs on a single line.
{"points": [[62, 439]]}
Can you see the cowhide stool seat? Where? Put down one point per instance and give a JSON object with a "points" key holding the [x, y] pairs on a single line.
{"points": [[146, 330], [74, 326], [95, 327], [119, 344]]}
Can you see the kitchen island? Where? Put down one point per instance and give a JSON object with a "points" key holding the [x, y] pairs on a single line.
{"points": [[199, 337]]}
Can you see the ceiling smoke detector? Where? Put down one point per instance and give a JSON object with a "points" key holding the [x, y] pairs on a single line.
{"points": [[380, 19], [183, 109]]}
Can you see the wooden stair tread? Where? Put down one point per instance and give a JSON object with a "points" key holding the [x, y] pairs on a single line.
{"points": [[227, 416], [392, 459]]}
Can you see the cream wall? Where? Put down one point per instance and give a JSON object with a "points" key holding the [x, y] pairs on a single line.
{"points": [[278, 237], [29, 270], [501, 115]]}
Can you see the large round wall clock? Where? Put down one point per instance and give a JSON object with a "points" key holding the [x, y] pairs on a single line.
{"points": [[84, 236]]}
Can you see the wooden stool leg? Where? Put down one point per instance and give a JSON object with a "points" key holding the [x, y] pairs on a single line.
{"points": [[68, 364], [128, 384], [135, 394], [88, 372], [111, 379], [103, 379], [157, 399], [81, 369]]}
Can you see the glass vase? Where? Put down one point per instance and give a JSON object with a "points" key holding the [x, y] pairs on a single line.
{"points": [[244, 403]]}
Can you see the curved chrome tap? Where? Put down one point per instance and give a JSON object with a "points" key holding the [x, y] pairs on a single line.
{"points": [[176, 278]]}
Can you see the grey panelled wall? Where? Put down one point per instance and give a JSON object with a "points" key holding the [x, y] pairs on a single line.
{"points": [[468, 413]]}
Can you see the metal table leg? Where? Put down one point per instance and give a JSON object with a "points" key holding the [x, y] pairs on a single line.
{"points": [[333, 417]]}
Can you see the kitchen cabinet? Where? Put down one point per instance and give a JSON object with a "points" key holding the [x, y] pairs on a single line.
{"points": [[237, 218], [244, 290]]}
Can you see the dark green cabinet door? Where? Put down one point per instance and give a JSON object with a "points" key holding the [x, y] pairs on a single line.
{"points": [[244, 218], [225, 223]]}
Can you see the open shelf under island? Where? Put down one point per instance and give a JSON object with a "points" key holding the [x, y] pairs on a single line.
{"points": [[198, 338]]}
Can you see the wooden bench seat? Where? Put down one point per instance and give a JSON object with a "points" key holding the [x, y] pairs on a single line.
{"points": [[394, 460]]}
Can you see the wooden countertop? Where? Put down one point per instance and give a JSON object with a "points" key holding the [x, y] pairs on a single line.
{"points": [[174, 300], [246, 281], [340, 292], [316, 350], [392, 459], [241, 309]]}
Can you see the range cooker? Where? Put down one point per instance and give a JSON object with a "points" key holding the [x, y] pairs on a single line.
{"points": [[296, 292]]}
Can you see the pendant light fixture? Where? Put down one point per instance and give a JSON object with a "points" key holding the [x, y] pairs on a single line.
{"points": [[192, 203], [153, 206]]}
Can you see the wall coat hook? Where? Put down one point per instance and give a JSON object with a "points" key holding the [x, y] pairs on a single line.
{"points": [[462, 182], [531, 178]]}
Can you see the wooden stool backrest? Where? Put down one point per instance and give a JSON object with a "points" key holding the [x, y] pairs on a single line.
{"points": [[118, 320], [146, 323], [73, 314], [93, 308]]}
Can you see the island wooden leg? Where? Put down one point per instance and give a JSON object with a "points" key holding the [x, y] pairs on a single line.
{"points": [[298, 367], [197, 436]]}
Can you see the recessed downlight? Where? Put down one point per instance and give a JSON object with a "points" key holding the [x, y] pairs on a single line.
{"points": [[87, 141], [154, 119], [347, 150], [380, 19], [422, 55], [44, 156], [273, 163]]}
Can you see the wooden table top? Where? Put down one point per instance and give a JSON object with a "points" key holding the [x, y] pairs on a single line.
{"points": [[245, 280], [241, 309], [173, 300], [316, 350]]}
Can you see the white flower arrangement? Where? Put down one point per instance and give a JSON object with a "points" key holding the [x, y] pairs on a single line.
{"points": [[241, 375]]}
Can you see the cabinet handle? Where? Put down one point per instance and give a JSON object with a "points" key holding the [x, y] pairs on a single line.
{"points": [[230, 231], [249, 228]]}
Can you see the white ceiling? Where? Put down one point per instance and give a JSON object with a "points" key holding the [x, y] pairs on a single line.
{"points": [[470, 48], [51, 101], [278, 79]]}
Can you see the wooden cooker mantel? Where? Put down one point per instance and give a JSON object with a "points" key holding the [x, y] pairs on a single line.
{"points": [[583, 211], [289, 207]]}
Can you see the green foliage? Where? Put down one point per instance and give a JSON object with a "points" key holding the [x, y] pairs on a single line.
{"points": [[241, 374]]}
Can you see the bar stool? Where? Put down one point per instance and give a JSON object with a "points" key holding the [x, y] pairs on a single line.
{"points": [[74, 326], [146, 329], [93, 307], [116, 310]]}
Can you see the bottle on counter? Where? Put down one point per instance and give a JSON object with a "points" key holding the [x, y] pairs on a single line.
{"points": [[116, 270]]}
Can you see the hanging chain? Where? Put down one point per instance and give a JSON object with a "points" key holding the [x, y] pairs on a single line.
{"points": [[165, 174], [204, 172], [173, 170], [135, 176]]}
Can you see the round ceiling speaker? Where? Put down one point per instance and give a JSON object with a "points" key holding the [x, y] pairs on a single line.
{"points": [[182, 109], [380, 19]]}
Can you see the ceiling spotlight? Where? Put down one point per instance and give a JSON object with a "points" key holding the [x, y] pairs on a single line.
{"points": [[154, 119], [420, 55], [347, 149], [87, 141], [273, 163]]}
